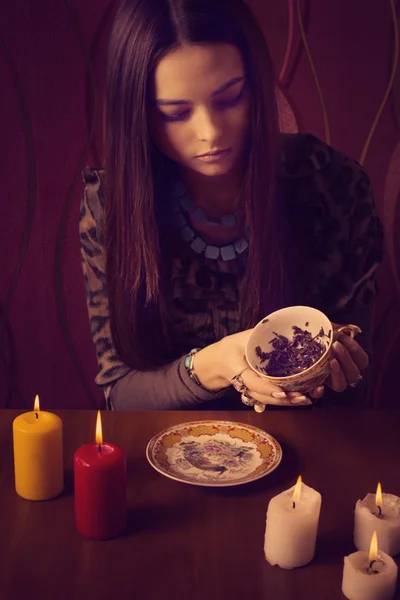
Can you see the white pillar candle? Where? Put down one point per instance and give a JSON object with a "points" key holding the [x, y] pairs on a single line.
{"points": [[381, 513], [370, 576], [292, 525]]}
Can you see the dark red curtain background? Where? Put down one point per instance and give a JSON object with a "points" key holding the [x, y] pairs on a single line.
{"points": [[336, 62]]}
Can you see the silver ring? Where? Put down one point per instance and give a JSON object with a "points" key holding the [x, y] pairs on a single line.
{"points": [[247, 400], [355, 383], [238, 383], [250, 401]]}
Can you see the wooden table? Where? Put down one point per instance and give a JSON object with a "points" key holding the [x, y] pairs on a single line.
{"points": [[194, 543]]}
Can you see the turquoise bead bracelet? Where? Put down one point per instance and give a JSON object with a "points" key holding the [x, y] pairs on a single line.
{"points": [[189, 367]]}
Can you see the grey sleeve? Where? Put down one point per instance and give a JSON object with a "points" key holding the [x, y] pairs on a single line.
{"points": [[167, 388]]}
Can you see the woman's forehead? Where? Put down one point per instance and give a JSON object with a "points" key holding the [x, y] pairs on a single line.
{"points": [[194, 71]]}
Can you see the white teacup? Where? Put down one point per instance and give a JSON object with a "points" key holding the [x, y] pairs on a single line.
{"points": [[282, 322]]}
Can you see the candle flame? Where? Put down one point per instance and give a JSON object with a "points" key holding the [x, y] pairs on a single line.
{"points": [[36, 404], [297, 490], [373, 549], [99, 430], [378, 497]]}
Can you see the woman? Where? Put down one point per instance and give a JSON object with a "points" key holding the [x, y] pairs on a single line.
{"points": [[206, 218]]}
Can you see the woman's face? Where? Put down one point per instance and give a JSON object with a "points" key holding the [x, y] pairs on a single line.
{"points": [[200, 110]]}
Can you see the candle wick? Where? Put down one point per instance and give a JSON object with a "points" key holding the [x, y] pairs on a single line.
{"points": [[294, 505], [370, 566], [380, 511], [376, 560], [99, 448], [36, 415]]}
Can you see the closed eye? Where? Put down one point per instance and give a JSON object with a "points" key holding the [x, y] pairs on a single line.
{"points": [[232, 101], [181, 116], [223, 103]]}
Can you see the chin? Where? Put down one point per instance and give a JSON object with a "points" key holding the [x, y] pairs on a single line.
{"points": [[214, 170]]}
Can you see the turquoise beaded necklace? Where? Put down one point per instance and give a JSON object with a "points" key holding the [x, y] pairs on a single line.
{"points": [[183, 205]]}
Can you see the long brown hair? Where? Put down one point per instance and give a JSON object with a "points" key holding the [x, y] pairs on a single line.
{"points": [[143, 31]]}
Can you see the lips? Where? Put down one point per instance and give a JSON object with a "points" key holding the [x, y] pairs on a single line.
{"points": [[213, 153], [215, 157]]}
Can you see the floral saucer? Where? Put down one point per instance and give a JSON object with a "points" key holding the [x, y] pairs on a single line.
{"points": [[214, 453]]}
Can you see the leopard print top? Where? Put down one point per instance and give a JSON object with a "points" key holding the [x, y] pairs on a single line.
{"points": [[332, 215]]}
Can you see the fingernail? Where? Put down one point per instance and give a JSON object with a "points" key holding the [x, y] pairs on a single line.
{"points": [[299, 400], [320, 389], [259, 408], [278, 395], [334, 365], [305, 402]]}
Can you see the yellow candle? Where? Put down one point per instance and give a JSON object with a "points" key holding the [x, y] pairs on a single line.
{"points": [[38, 454]]}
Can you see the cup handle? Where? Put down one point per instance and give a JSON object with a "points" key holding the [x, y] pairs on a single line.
{"points": [[350, 330]]}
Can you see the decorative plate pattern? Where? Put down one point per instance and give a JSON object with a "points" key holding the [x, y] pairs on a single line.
{"points": [[214, 453]]}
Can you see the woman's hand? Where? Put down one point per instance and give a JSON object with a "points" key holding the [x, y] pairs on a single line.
{"points": [[217, 364], [348, 361]]}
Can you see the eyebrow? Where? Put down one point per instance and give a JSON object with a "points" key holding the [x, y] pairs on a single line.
{"points": [[222, 88]]}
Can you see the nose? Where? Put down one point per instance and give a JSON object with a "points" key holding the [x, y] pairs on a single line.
{"points": [[208, 126]]}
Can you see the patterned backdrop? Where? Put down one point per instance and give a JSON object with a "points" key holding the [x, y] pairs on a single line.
{"points": [[336, 64]]}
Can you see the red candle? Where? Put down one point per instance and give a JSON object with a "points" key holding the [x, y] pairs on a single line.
{"points": [[100, 488]]}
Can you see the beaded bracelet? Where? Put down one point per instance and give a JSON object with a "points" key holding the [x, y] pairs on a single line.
{"points": [[189, 360], [189, 365]]}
